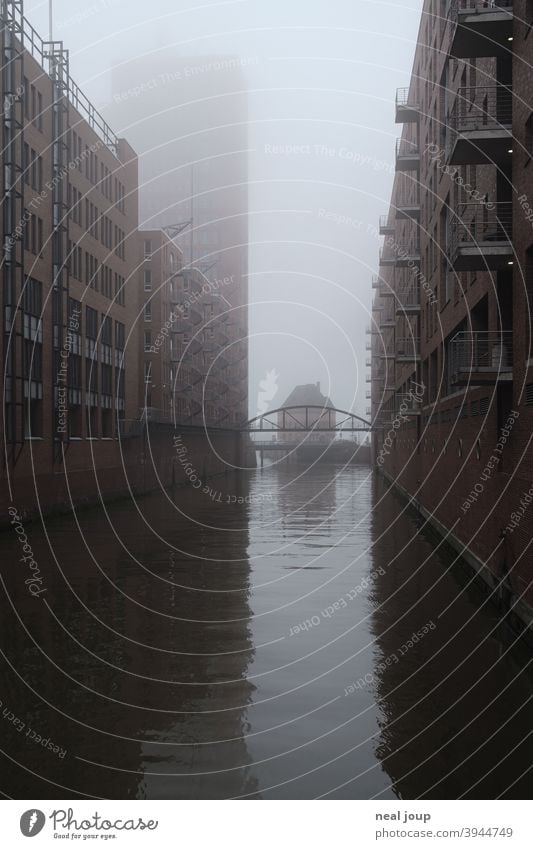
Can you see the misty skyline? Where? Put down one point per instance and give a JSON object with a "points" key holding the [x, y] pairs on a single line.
{"points": [[321, 155]]}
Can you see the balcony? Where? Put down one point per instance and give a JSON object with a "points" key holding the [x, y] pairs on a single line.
{"points": [[481, 28], [387, 319], [481, 126], [479, 238], [407, 108], [408, 301], [375, 285], [368, 395], [407, 255], [481, 357], [407, 155], [408, 405], [386, 227], [408, 349], [385, 418], [368, 345], [386, 354], [386, 260], [386, 290], [408, 205]]}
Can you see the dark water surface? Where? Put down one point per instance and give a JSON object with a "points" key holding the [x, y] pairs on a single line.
{"points": [[187, 647]]}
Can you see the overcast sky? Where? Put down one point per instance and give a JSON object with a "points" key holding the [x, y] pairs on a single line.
{"points": [[322, 79]]}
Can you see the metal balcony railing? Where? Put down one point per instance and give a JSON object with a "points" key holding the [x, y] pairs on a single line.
{"points": [[408, 404], [406, 149], [481, 351], [408, 298], [407, 346], [480, 28], [386, 226], [478, 226], [407, 203], [386, 257], [478, 6], [403, 98], [482, 108], [408, 196], [406, 254], [387, 318]]}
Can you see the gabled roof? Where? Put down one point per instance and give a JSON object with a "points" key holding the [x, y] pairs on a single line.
{"points": [[307, 394]]}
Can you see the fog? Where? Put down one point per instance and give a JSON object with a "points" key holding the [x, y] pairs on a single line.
{"points": [[321, 80]]}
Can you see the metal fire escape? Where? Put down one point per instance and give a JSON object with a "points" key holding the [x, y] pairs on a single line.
{"points": [[13, 225], [59, 72]]}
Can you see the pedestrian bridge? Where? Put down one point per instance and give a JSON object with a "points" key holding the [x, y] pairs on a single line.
{"points": [[307, 419]]}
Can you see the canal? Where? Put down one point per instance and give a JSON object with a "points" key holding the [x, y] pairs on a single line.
{"points": [[293, 634]]}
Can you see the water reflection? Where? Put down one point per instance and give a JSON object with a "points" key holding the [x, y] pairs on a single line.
{"points": [[195, 646], [454, 707], [138, 656]]}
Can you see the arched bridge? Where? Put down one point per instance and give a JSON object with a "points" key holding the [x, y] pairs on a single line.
{"points": [[307, 418]]}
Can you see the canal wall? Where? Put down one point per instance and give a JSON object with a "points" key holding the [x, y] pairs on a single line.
{"points": [[95, 471], [495, 574]]}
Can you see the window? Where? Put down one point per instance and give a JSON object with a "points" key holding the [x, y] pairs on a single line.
{"points": [[107, 379], [33, 357], [34, 234], [120, 336], [26, 163], [147, 340], [120, 294], [33, 157], [32, 299], [26, 98], [119, 243], [148, 249], [529, 138], [33, 103], [107, 330], [148, 311], [147, 280], [147, 372], [91, 323]]}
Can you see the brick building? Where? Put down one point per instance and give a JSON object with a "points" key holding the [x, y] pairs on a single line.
{"points": [[450, 339], [69, 225]]}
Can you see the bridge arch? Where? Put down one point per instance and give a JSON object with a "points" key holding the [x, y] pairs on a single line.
{"points": [[290, 423]]}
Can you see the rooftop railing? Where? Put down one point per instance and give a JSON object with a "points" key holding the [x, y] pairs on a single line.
{"points": [[41, 51]]}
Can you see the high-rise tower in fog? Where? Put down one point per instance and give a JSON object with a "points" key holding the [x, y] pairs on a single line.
{"points": [[188, 119]]}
